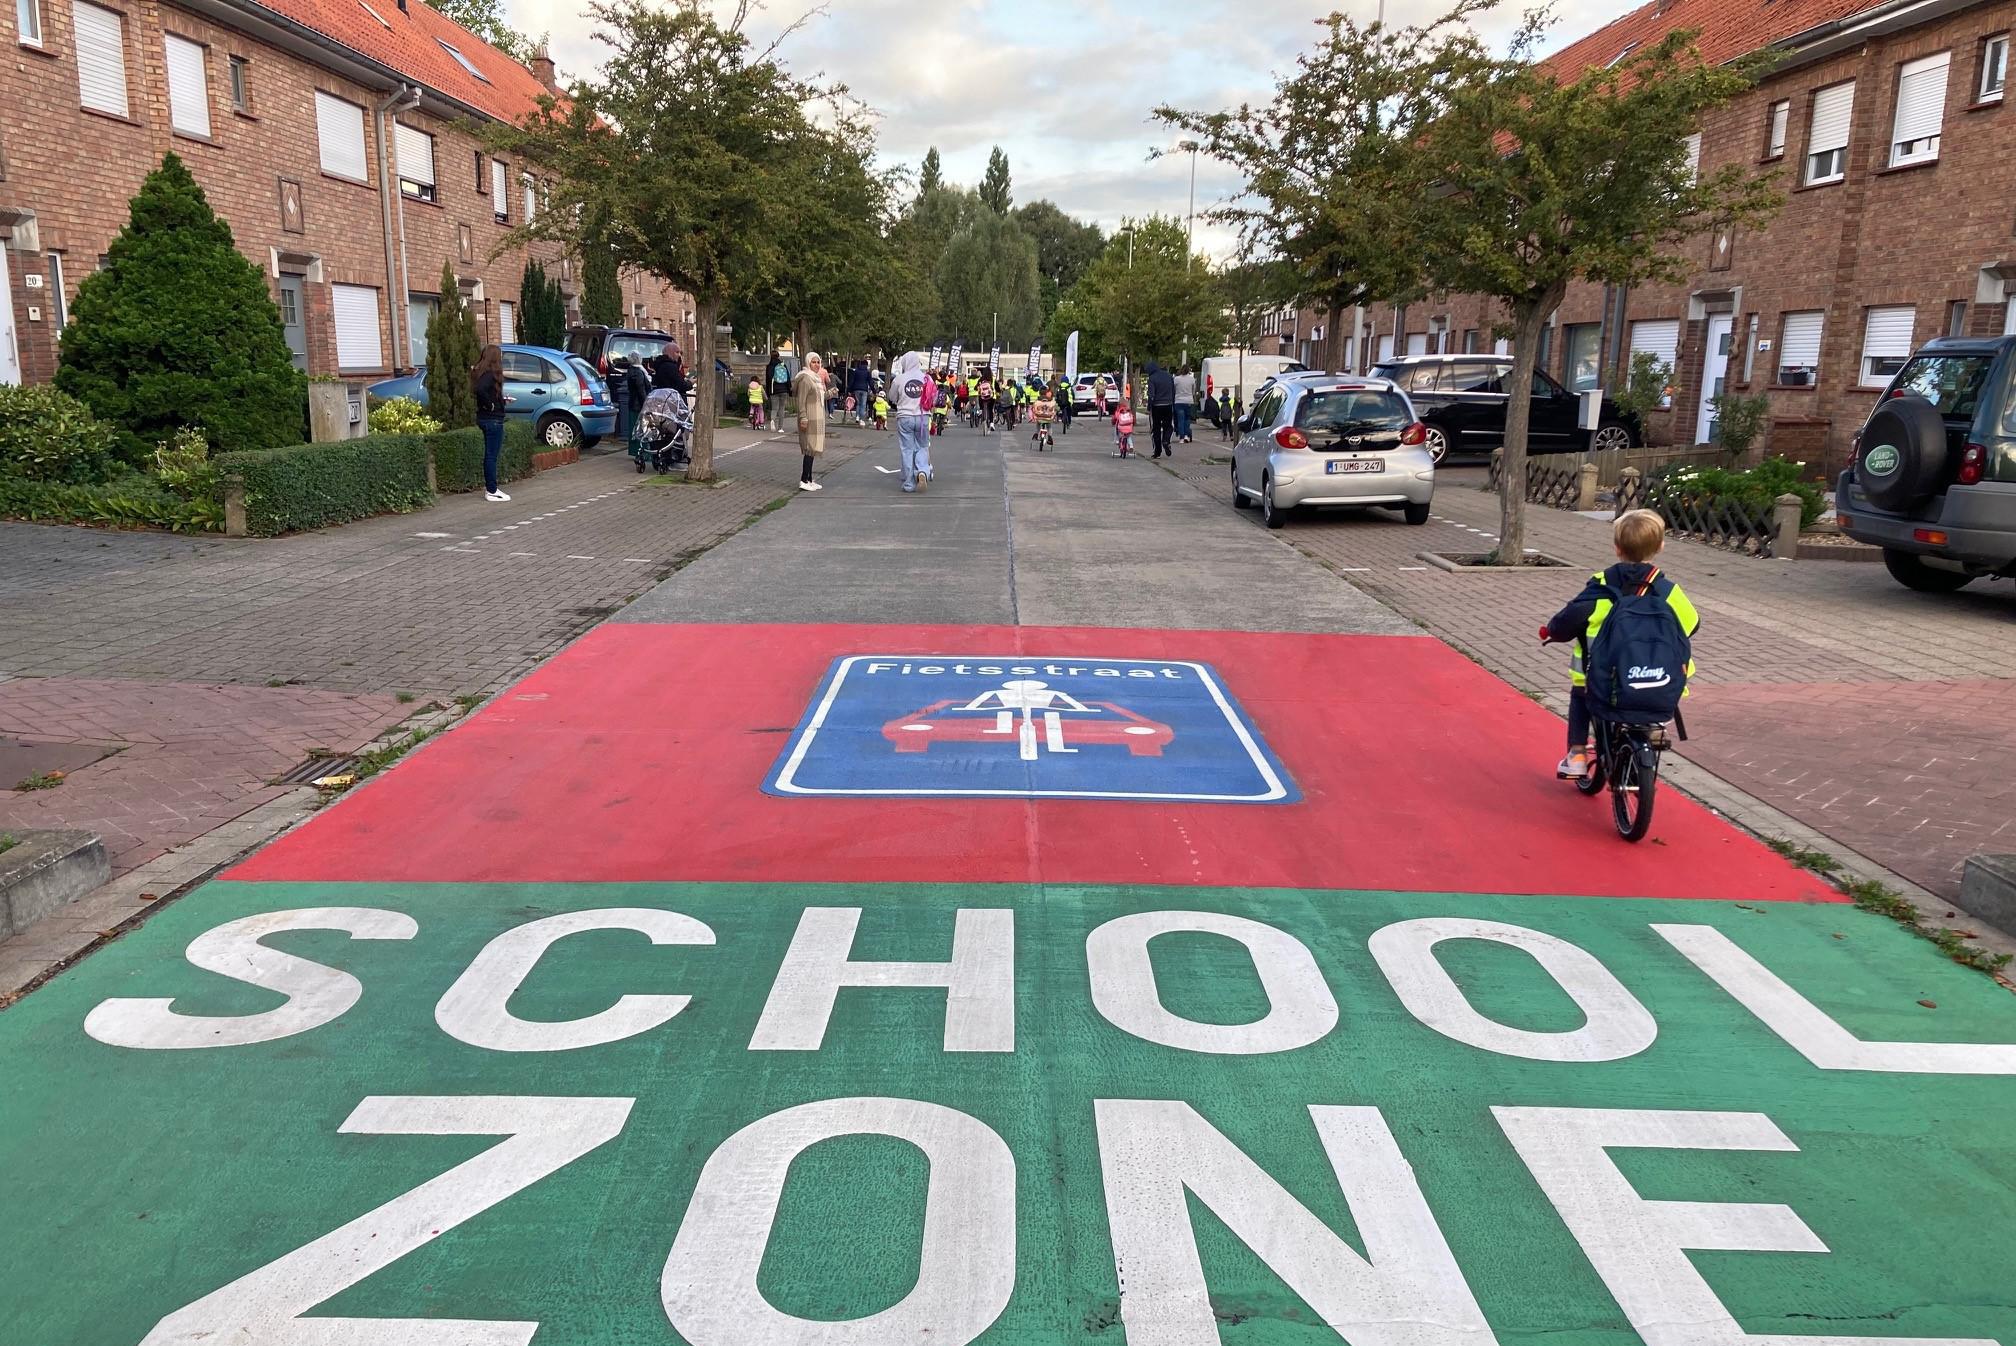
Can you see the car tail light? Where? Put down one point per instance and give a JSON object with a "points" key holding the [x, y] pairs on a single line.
{"points": [[1930, 536], [602, 366], [1415, 434], [1973, 464], [1288, 437], [587, 393]]}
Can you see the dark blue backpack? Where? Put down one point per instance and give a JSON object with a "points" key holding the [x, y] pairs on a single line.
{"points": [[1637, 666]]}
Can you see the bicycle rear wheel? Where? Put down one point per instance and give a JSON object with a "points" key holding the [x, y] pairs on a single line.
{"points": [[1632, 791]]}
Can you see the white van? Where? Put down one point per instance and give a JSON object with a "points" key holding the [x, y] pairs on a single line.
{"points": [[1248, 372]]}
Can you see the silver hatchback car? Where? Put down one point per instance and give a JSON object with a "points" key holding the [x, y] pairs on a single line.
{"points": [[1332, 439]]}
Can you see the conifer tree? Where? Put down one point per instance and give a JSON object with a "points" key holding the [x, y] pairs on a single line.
{"points": [[451, 354], [179, 329]]}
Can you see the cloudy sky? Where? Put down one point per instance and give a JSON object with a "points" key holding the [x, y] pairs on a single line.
{"points": [[1064, 86]]}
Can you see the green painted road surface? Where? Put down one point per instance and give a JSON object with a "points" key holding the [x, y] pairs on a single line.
{"points": [[1164, 1116]]}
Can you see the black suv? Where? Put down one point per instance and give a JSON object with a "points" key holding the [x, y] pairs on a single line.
{"points": [[1461, 399], [1934, 478], [599, 345]]}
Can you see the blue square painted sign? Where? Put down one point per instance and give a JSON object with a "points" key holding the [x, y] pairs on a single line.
{"points": [[1028, 728]]}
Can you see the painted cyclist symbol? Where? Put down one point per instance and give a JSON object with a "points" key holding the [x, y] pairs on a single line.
{"points": [[1031, 714]]}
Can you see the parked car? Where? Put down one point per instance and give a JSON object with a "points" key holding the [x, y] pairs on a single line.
{"points": [[1220, 374], [1320, 441], [1933, 481], [560, 394], [599, 345], [1462, 401]]}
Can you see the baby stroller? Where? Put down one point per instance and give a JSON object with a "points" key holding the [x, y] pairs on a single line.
{"points": [[666, 435]]}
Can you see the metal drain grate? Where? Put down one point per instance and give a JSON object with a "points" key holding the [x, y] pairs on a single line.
{"points": [[315, 768]]}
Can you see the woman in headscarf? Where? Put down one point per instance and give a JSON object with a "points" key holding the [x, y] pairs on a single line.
{"points": [[809, 389]]}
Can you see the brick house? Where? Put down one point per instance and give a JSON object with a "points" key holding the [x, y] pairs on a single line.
{"points": [[1888, 125], [334, 137]]}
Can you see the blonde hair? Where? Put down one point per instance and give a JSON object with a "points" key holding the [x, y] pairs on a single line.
{"points": [[1639, 534]]}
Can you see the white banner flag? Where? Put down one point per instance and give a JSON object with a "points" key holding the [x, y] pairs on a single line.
{"points": [[932, 363], [953, 358], [994, 360], [1071, 358], [1035, 355]]}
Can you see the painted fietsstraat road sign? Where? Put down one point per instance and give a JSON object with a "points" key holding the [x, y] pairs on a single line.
{"points": [[409, 1115], [1041, 728]]}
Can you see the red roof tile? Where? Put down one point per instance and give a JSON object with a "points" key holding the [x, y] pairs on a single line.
{"points": [[1728, 28], [409, 41]]}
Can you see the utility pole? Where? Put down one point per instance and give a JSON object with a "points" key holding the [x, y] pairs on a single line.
{"points": [[1190, 229], [1126, 358]]}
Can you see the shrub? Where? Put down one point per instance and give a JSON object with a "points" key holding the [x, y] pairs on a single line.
{"points": [[306, 486], [1758, 488], [47, 435], [133, 501], [458, 457], [1738, 421], [402, 416], [1645, 384], [182, 464], [179, 329]]}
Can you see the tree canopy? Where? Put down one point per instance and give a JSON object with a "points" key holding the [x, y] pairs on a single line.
{"points": [[1153, 300], [994, 188], [986, 275]]}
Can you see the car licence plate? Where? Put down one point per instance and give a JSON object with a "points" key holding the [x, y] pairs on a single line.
{"points": [[1336, 465]]}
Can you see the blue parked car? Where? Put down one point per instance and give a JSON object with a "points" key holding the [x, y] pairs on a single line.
{"points": [[561, 394]]}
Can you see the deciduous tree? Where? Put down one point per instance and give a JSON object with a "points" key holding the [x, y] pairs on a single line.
{"points": [[1150, 301], [986, 283]]}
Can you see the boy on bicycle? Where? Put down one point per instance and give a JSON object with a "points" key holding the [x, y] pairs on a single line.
{"points": [[1639, 535]]}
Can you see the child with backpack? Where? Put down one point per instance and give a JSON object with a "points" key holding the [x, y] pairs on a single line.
{"points": [[755, 404], [1633, 631], [881, 412], [1123, 429]]}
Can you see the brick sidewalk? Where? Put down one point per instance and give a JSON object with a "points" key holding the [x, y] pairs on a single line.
{"points": [[1881, 717]]}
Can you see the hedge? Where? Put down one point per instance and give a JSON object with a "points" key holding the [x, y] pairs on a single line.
{"points": [[130, 502], [458, 457], [303, 486]]}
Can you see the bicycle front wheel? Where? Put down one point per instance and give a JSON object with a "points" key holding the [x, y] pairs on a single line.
{"points": [[1632, 790]]}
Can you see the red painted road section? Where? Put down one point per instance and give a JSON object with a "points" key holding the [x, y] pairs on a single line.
{"points": [[639, 754]]}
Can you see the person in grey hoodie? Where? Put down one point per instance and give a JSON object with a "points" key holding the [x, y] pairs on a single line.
{"points": [[907, 391]]}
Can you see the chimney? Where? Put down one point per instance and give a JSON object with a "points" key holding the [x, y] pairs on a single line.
{"points": [[543, 71]]}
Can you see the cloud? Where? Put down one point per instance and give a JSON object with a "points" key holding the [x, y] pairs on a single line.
{"points": [[1065, 87]]}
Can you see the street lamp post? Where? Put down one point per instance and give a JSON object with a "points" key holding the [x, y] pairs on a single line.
{"points": [[1189, 229], [1126, 360]]}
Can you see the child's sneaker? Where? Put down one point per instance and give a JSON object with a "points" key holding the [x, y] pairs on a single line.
{"points": [[1575, 766]]}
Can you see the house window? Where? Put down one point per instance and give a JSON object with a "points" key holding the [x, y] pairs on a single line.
{"points": [[463, 61], [28, 21], [1886, 343], [1470, 341], [1584, 368], [1921, 108], [357, 337], [1994, 68], [101, 57], [531, 196], [188, 85], [1661, 340], [241, 84], [420, 311], [59, 311], [507, 320], [1546, 349], [290, 314], [339, 132], [480, 175], [1774, 129], [500, 199], [1799, 348], [1827, 140], [1694, 157], [416, 161], [1956, 318]]}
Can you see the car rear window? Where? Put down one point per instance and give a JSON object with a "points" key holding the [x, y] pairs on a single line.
{"points": [[1327, 417], [585, 370], [1952, 383], [635, 347]]}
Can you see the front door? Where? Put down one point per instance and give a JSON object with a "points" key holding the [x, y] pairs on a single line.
{"points": [[10, 354], [1714, 373], [292, 321]]}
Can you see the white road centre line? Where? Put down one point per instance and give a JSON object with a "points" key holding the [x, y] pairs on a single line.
{"points": [[1413, 567], [580, 558], [433, 535]]}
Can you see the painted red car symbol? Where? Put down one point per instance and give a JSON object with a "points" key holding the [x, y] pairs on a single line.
{"points": [[1099, 723]]}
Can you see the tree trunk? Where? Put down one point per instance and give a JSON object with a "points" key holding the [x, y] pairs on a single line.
{"points": [[706, 388], [1332, 319], [1527, 320]]}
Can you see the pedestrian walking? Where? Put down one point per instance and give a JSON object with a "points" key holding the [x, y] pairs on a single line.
{"points": [[1161, 409], [916, 394], [1186, 401], [668, 370], [486, 381], [861, 387], [810, 390]]}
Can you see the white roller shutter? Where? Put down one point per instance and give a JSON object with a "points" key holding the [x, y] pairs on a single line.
{"points": [[101, 57], [1694, 156], [1502, 346], [1832, 110], [1799, 346], [357, 343], [507, 321], [1886, 335], [416, 153], [188, 86], [1385, 348], [339, 130], [1921, 108], [1417, 343], [500, 200], [1660, 337]]}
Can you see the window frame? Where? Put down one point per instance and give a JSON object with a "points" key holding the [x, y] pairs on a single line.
{"points": [[1866, 378], [1928, 152], [1982, 93], [59, 307], [27, 15], [336, 291], [413, 189], [168, 39], [1777, 128], [1779, 367], [1838, 171], [238, 82], [528, 187], [363, 177], [125, 111], [500, 191]]}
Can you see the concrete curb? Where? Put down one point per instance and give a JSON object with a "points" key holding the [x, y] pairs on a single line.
{"points": [[45, 871]]}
